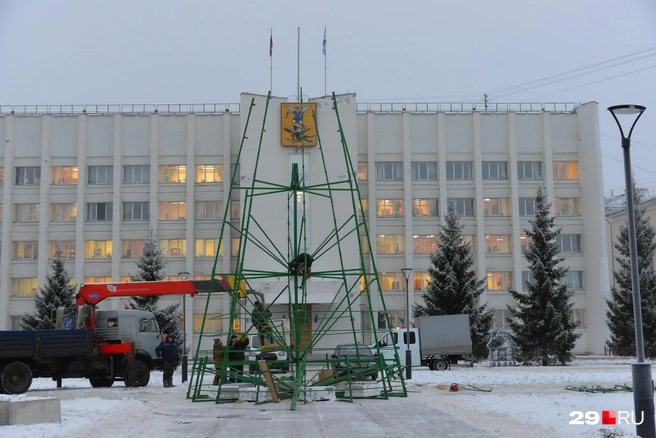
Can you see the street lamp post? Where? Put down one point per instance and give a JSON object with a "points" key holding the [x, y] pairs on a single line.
{"points": [[643, 392], [184, 276], [408, 353]]}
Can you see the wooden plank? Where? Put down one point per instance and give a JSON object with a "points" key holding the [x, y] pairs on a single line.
{"points": [[269, 381]]}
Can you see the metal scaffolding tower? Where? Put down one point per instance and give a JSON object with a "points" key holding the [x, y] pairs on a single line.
{"points": [[306, 363]]}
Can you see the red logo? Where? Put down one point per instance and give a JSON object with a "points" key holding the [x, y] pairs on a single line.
{"points": [[608, 417]]}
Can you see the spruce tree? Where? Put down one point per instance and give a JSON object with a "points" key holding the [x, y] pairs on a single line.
{"points": [[56, 293], [453, 288], [541, 323], [619, 315], [149, 268]]}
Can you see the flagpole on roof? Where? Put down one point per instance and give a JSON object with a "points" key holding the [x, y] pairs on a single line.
{"points": [[271, 61], [298, 68], [325, 80]]}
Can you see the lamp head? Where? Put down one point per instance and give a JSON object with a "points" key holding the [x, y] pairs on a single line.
{"points": [[406, 272], [624, 110], [183, 275]]}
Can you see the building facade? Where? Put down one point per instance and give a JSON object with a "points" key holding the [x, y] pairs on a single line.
{"points": [[99, 179]]}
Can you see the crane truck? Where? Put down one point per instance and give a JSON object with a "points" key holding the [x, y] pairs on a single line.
{"points": [[105, 346]]}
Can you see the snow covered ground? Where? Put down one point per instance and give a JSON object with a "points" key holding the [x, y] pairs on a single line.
{"points": [[524, 401]]}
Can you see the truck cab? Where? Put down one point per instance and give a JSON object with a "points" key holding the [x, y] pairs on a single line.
{"points": [[130, 326], [398, 341]]}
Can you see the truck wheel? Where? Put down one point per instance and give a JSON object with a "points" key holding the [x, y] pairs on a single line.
{"points": [[16, 378], [142, 374], [101, 383], [440, 365]]}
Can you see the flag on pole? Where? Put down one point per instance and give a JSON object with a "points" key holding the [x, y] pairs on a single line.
{"points": [[324, 40], [271, 44]]}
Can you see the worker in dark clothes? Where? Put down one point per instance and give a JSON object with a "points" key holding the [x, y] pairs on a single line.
{"points": [[236, 354], [261, 323], [302, 263], [168, 352]]}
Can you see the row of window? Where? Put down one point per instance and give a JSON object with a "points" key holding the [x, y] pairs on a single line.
{"points": [[28, 250], [132, 174], [499, 280], [501, 315], [494, 243], [465, 207], [102, 211], [462, 170]]}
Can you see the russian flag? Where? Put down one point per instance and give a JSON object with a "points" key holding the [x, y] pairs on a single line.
{"points": [[271, 45]]}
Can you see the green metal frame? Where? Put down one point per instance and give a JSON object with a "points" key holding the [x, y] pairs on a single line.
{"points": [[361, 281]]}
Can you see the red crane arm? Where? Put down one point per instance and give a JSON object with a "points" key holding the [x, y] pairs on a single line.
{"points": [[94, 293]]}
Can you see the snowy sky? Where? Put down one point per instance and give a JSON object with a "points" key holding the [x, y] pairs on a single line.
{"points": [[166, 51]]}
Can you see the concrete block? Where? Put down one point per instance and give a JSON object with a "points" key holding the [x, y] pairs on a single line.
{"points": [[251, 394], [359, 389], [30, 411], [317, 393]]}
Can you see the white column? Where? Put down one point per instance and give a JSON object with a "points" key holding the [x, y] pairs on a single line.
{"points": [[441, 164], [371, 170], [547, 165], [226, 151], [514, 204], [42, 263], [478, 201], [407, 202], [154, 173], [117, 207], [80, 244], [7, 213], [189, 235]]}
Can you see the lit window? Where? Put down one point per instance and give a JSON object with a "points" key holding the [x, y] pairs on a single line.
{"points": [[363, 174], [67, 248], [495, 170], [425, 244], [469, 239], [24, 287], [392, 281], [132, 249], [207, 247], [213, 323], [423, 170], [2, 175], [93, 280], [527, 170], [212, 173], [424, 208], [63, 212], [97, 249], [566, 206], [364, 244], [458, 170], [497, 244], [136, 174], [421, 280], [26, 250], [173, 174], [101, 175], [499, 280], [495, 207], [26, 213], [390, 244], [389, 208], [234, 246], [99, 211], [173, 247], [564, 170], [64, 175], [172, 210], [28, 176], [389, 171]]}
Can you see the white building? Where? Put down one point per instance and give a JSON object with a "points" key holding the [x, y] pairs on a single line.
{"points": [[129, 169]]}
